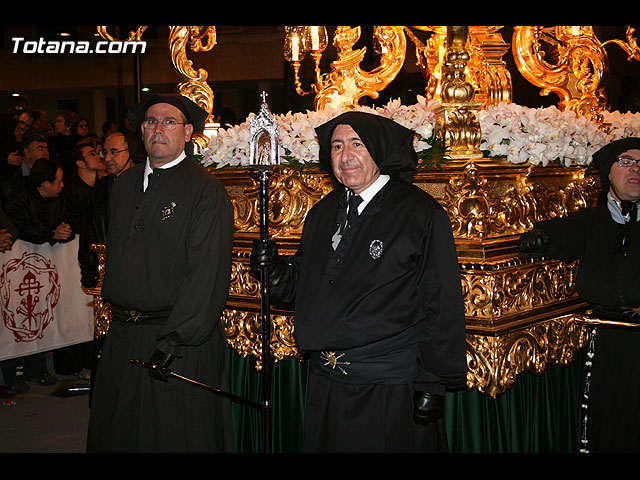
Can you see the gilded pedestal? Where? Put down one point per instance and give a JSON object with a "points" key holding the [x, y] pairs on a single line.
{"points": [[521, 314]]}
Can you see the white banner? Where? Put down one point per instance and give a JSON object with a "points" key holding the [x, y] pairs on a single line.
{"points": [[42, 304]]}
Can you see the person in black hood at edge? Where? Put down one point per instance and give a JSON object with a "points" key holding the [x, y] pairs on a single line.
{"points": [[377, 296], [606, 241]]}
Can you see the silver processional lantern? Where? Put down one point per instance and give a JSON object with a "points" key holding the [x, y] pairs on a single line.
{"points": [[262, 157], [263, 130]]}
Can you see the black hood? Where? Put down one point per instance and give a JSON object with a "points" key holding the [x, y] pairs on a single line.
{"points": [[389, 143], [605, 157]]}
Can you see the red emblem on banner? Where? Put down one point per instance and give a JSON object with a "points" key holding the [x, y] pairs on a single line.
{"points": [[29, 290]]}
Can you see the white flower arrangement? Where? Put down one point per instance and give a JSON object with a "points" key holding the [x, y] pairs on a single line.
{"points": [[541, 136], [520, 134], [298, 143]]}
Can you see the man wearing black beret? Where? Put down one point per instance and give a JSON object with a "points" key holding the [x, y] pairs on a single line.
{"points": [[167, 277]]}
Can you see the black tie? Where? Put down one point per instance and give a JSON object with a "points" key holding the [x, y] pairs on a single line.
{"points": [[354, 202]]}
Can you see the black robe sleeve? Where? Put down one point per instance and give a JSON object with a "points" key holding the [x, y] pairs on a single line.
{"points": [[442, 353], [202, 293]]}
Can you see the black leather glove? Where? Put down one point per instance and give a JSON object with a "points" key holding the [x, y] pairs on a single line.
{"points": [[427, 407], [533, 242], [265, 253], [160, 361]]}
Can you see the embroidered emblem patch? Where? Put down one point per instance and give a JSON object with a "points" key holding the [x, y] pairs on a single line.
{"points": [[375, 249], [167, 212]]}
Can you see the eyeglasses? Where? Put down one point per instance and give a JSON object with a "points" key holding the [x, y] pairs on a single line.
{"points": [[113, 152], [167, 123], [92, 153], [628, 161]]}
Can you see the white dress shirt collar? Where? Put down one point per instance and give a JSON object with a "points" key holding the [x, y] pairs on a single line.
{"points": [[148, 169], [368, 193]]}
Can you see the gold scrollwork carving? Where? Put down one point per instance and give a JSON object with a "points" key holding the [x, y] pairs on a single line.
{"points": [[244, 334], [631, 45], [476, 210], [292, 193], [568, 61], [348, 82], [496, 361], [503, 291], [243, 283], [194, 86]]}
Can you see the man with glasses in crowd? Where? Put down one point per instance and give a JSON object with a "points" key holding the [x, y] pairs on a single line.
{"points": [[116, 154], [606, 241], [167, 275]]}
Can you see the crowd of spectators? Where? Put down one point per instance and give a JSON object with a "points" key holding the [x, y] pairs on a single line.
{"points": [[55, 178]]}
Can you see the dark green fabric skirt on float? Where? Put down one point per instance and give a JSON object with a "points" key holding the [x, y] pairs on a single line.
{"points": [[539, 414]]}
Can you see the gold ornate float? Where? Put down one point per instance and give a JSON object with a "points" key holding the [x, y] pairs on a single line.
{"points": [[522, 314]]}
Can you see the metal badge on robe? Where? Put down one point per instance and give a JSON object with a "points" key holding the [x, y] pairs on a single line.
{"points": [[168, 211], [375, 249]]}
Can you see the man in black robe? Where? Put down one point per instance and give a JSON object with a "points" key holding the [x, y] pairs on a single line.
{"points": [[377, 297], [167, 275], [606, 241]]}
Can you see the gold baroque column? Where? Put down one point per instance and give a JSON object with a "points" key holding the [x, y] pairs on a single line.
{"points": [[459, 128], [485, 69]]}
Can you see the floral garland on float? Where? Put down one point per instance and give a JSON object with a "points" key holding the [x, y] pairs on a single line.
{"points": [[540, 136], [543, 136]]}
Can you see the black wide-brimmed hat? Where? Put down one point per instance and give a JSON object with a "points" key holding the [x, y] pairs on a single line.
{"points": [[194, 114], [389, 143]]}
